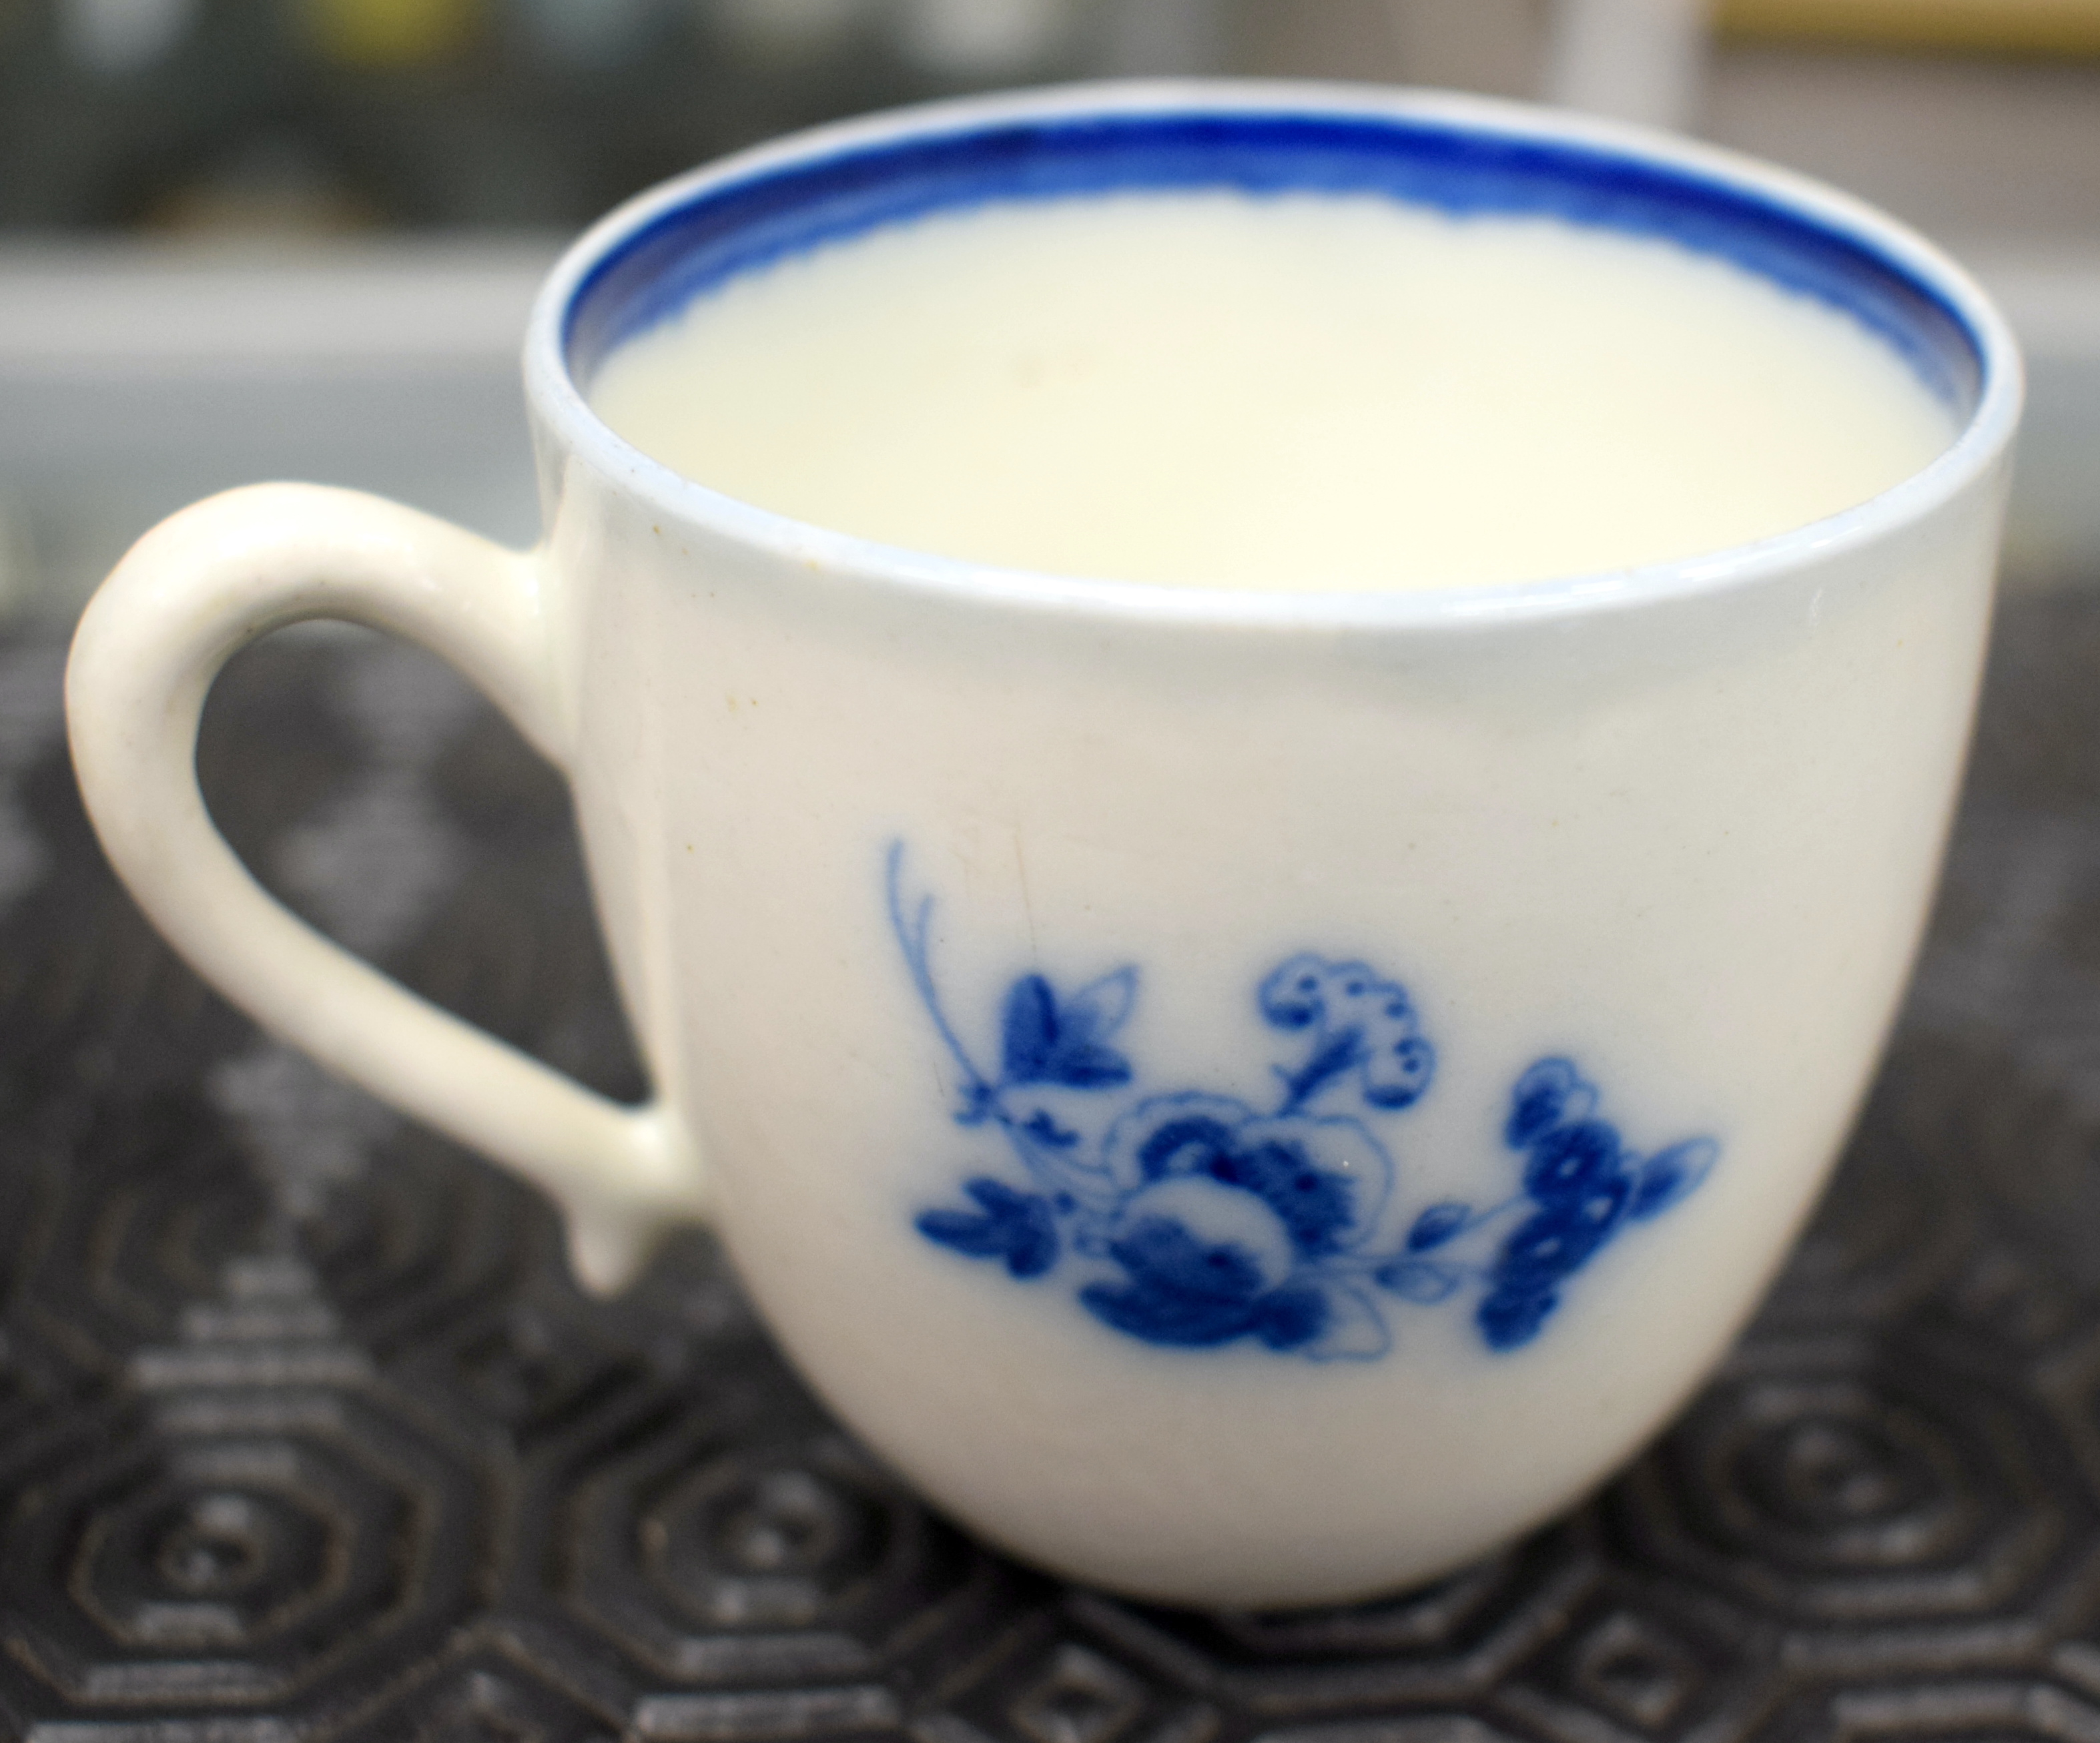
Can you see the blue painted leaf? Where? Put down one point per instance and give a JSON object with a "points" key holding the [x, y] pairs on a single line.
{"points": [[1041, 1042], [1028, 1030], [1017, 1227], [1422, 1280], [1671, 1175], [1559, 1239], [1045, 1130], [1439, 1224], [1102, 1006], [1091, 1067], [1352, 1328], [1292, 1318]]}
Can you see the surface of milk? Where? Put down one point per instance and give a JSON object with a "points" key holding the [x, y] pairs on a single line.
{"points": [[1299, 392]]}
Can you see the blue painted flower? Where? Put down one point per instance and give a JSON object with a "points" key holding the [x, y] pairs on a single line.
{"points": [[1584, 1184], [1226, 1209], [1194, 1220], [1568, 1162], [1359, 1023], [1560, 1238], [1551, 1093], [1204, 1264], [1325, 1180], [1509, 1318]]}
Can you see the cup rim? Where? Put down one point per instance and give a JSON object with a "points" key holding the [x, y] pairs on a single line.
{"points": [[558, 400]]}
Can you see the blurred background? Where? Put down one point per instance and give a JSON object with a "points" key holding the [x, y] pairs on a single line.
{"points": [[244, 239]]}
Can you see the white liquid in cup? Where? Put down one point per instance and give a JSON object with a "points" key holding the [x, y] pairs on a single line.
{"points": [[1302, 392]]}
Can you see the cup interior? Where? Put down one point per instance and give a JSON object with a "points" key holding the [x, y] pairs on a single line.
{"points": [[753, 212]]}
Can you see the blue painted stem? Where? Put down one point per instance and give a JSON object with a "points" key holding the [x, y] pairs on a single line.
{"points": [[1327, 1063], [981, 1093]]}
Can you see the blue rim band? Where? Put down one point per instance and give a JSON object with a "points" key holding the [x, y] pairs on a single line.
{"points": [[730, 228]]}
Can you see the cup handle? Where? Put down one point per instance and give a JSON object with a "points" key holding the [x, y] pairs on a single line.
{"points": [[188, 597]]}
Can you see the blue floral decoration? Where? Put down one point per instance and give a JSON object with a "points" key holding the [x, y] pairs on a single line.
{"points": [[1192, 1220]]}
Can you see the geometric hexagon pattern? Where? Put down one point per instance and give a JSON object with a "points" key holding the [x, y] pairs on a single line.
{"points": [[305, 1434]]}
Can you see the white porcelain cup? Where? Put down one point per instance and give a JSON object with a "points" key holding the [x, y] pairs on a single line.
{"points": [[1245, 1098]]}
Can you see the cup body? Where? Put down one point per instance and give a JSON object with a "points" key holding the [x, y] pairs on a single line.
{"points": [[1016, 948]]}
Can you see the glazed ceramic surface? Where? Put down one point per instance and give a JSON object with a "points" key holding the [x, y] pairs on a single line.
{"points": [[1247, 1099]]}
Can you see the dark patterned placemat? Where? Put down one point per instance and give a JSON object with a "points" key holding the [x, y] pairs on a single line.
{"points": [[304, 1434]]}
